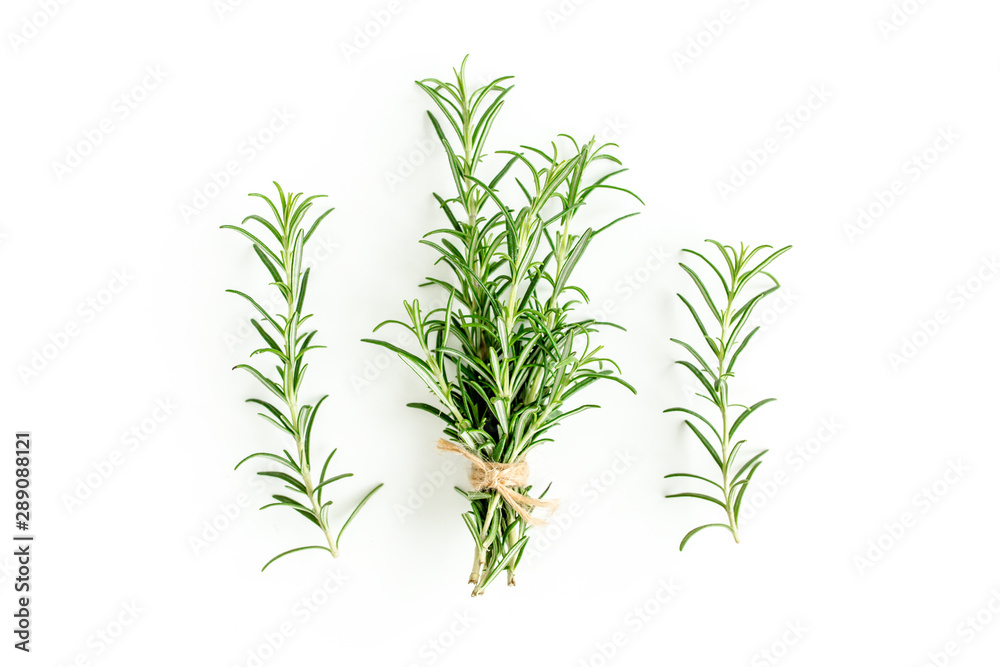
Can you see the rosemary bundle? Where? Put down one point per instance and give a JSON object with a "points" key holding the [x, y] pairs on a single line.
{"points": [[730, 316], [506, 352], [285, 338]]}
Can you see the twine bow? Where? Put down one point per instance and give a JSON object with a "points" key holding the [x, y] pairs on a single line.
{"points": [[502, 478]]}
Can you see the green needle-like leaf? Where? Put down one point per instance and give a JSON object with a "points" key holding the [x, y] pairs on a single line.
{"points": [[354, 513], [291, 551], [701, 528]]}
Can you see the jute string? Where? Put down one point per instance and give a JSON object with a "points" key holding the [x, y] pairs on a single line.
{"points": [[502, 478]]}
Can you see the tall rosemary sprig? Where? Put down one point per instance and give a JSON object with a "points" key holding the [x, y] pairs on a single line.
{"points": [[505, 353], [285, 337], [731, 316]]}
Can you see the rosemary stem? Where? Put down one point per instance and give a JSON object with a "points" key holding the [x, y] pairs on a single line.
{"points": [[723, 405], [311, 492], [476, 566], [291, 400]]}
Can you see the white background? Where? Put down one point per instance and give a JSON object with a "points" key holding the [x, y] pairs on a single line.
{"points": [[172, 334]]}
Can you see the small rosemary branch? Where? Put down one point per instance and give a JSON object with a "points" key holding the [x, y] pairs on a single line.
{"points": [[731, 318], [285, 338]]}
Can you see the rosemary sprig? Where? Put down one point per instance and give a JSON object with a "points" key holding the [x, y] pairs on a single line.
{"points": [[505, 353], [285, 337], [731, 315]]}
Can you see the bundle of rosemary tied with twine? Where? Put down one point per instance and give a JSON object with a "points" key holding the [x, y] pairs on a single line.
{"points": [[502, 479], [505, 351]]}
